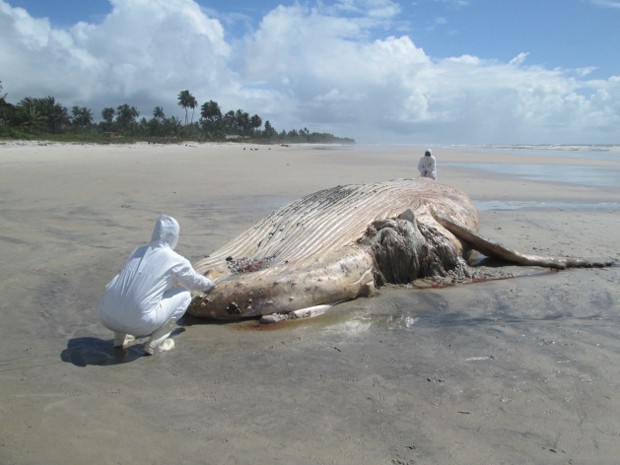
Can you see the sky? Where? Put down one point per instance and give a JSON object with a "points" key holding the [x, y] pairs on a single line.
{"points": [[379, 71]]}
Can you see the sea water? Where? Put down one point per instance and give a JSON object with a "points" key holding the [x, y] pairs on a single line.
{"points": [[595, 175], [583, 152], [581, 174]]}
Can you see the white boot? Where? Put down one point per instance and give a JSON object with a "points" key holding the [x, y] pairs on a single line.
{"points": [[122, 340], [159, 339], [167, 345]]}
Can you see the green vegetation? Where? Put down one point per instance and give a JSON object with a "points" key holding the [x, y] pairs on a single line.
{"points": [[44, 118]]}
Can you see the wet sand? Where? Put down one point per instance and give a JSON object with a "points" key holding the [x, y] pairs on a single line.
{"points": [[522, 371]]}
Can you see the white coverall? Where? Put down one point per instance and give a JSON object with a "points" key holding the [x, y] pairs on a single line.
{"points": [[150, 293], [427, 166]]}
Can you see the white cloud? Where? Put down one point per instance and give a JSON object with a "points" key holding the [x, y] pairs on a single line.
{"points": [[452, 3], [315, 67], [370, 8], [145, 51], [606, 3], [519, 59]]}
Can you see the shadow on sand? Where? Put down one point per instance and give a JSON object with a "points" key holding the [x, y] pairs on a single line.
{"points": [[84, 351]]}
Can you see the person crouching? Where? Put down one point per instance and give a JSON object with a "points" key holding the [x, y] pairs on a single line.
{"points": [[151, 294], [427, 166]]}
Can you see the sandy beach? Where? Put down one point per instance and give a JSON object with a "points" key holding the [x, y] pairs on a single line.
{"points": [[517, 371]]}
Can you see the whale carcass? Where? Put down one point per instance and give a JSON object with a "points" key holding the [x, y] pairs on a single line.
{"points": [[342, 243]]}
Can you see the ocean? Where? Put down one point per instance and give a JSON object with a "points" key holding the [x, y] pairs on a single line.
{"points": [[573, 171]]}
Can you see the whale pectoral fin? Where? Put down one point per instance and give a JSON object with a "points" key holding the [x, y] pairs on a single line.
{"points": [[307, 312], [492, 248], [310, 312], [273, 318]]}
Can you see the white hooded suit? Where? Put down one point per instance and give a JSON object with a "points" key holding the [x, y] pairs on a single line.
{"points": [[151, 289], [427, 166]]}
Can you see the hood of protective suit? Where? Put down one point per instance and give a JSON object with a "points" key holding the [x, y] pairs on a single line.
{"points": [[166, 232]]}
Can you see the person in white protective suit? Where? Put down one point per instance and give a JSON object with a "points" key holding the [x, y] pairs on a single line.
{"points": [[150, 294], [427, 166]]}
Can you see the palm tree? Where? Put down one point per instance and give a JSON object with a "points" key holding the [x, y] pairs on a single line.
{"points": [[57, 114], [158, 113], [230, 123], [242, 120], [81, 117], [172, 126], [211, 116], [126, 115], [193, 103], [210, 111], [4, 106], [30, 113], [187, 100], [269, 131], [255, 122], [43, 113], [108, 114]]}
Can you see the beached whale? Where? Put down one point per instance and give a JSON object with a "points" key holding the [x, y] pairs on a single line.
{"points": [[342, 243]]}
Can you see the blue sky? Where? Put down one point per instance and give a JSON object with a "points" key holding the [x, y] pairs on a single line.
{"points": [[417, 71]]}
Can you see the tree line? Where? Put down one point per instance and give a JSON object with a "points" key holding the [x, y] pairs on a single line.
{"points": [[45, 117]]}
